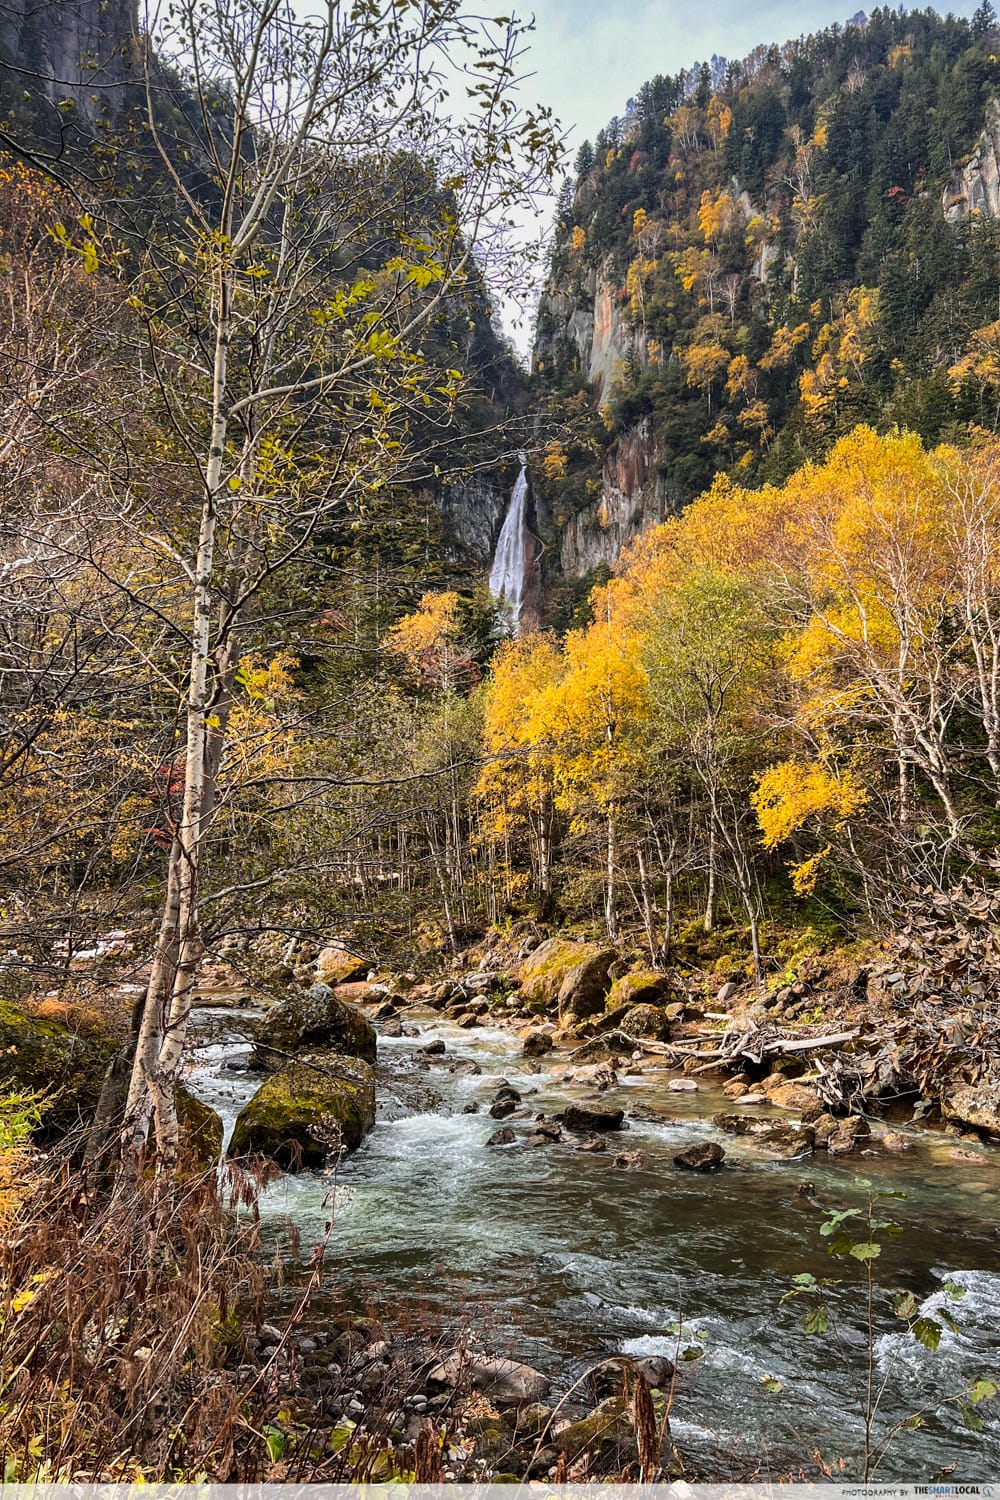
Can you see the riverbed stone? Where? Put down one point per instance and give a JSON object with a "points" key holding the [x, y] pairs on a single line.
{"points": [[335, 965], [642, 987], [201, 1130], [607, 1436], [501, 1108], [609, 1048], [706, 1156], [436, 1048], [503, 1381], [583, 1119], [784, 1138], [535, 1042], [606, 1378], [318, 1019], [502, 1137], [290, 1118], [785, 1094], [974, 1105]]}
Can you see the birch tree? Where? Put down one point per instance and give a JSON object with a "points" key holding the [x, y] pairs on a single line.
{"points": [[301, 250]]}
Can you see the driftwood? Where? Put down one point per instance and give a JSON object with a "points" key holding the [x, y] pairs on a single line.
{"points": [[754, 1045]]}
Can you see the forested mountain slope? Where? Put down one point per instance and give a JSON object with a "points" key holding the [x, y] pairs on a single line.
{"points": [[760, 255]]}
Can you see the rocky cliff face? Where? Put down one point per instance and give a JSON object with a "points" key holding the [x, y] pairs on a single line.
{"points": [[79, 51], [634, 496], [975, 188], [473, 509]]}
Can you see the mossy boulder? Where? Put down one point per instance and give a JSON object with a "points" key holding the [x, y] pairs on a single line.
{"points": [[975, 1106], [585, 986], [201, 1130], [645, 987], [544, 971], [645, 1021], [317, 1020], [294, 1116], [48, 1059], [606, 1435], [336, 966]]}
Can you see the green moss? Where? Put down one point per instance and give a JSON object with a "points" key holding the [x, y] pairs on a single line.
{"points": [[644, 987], [64, 1071], [290, 1118], [201, 1129]]}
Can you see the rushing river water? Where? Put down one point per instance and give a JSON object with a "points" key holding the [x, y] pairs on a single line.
{"points": [[560, 1258]]}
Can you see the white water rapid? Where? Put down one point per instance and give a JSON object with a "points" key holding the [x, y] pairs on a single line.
{"points": [[507, 575]]}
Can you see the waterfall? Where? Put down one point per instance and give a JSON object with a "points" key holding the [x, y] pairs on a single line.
{"points": [[507, 574]]}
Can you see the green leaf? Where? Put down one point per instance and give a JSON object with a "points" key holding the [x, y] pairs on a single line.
{"points": [[816, 1321], [865, 1250], [954, 1291], [905, 1305], [770, 1383], [981, 1390], [927, 1332], [912, 1423], [276, 1442], [692, 1352]]}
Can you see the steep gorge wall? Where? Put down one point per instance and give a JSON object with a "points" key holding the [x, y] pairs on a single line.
{"points": [[79, 51]]}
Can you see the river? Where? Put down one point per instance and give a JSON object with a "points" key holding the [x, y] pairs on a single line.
{"points": [[559, 1257]]}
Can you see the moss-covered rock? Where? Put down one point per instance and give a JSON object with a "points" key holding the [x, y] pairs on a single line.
{"points": [[317, 1020], [645, 987], [974, 1105], [292, 1117], [584, 989], [544, 971], [47, 1059], [607, 1435], [201, 1129]]}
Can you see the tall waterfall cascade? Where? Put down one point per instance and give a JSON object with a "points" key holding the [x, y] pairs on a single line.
{"points": [[510, 563]]}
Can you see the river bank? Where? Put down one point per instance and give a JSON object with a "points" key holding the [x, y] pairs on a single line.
{"points": [[559, 1258]]}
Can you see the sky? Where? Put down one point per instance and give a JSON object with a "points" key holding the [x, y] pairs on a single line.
{"points": [[588, 57]]}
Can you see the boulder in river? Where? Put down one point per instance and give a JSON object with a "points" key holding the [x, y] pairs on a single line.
{"points": [[503, 1381], [535, 1042], [501, 1108], [318, 1019], [609, 1048], [786, 1094], [436, 1048], [784, 1138], [976, 1106], [583, 1119], [606, 1378], [606, 1435], [336, 966], [707, 1156], [584, 989], [201, 1130], [839, 1137], [502, 1137], [296, 1114]]}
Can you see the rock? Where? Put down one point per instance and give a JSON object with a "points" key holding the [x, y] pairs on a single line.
{"points": [[707, 1156], [893, 1141], [646, 1021], [387, 1010], [44, 1057], [480, 983], [584, 989], [502, 1137], [609, 1048], [289, 1119], [582, 1119], [781, 1137], [436, 1048], [465, 1067], [628, 1161], [976, 1105], [736, 1086], [542, 973], [201, 1130], [682, 1086], [472, 1108], [503, 1381], [606, 1378], [336, 966], [787, 1095], [750, 1099], [727, 992], [644, 987], [593, 1143], [501, 1108], [535, 1042], [839, 1137], [601, 1075], [393, 1027], [606, 1435], [468, 1020], [319, 1018]]}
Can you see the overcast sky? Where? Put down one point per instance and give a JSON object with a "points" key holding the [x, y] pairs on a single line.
{"points": [[589, 57]]}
